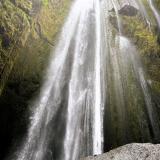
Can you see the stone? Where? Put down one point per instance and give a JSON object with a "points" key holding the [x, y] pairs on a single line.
{"points": [[134, 151], [128, 10]]}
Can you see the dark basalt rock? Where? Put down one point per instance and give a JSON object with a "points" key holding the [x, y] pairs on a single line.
{"points": [[5, 41], [112, 10], [128, 10], [2, 30], [113, 21]]}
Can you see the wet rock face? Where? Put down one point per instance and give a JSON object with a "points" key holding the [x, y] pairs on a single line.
{"points": [[133, 151], [128, 10], [5, 41]]}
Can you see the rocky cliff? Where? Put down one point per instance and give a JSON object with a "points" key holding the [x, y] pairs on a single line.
{"points": [[146, 37], [27, 28]]}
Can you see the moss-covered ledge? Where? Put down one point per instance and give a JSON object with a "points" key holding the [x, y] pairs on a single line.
{"points": [[27, 29], [136, 29]]}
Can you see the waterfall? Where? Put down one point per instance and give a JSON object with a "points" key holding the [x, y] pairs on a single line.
{"points": [[95, 93], [71, 91], [50, 99], [97, 125]]}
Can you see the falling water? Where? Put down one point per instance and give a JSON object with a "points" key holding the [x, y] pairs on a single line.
{"points": [[72, 86], [97, 125], [117, 15], [155, 12], [144, 12], [129, 110], [140, 76]]}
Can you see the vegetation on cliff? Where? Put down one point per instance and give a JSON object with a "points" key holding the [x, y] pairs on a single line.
{"points": [[27, 26], [146, 39]]}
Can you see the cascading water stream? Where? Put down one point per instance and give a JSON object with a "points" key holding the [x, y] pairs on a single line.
{"points": [[44, 109], [118, 17], [155, 12], [144, 12], [125, 77], [72, 86], [97, 125]]}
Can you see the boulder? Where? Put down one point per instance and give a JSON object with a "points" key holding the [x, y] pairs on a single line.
{"points": [[128, 10], [133, 151]]}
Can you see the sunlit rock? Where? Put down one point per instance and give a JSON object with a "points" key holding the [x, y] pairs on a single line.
{"points": [[133, 151]]}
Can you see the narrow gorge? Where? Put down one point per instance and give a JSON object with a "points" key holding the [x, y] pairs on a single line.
{"points": [[79, 78]]}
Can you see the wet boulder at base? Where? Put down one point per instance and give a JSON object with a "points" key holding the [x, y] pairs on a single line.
{"points": [[134, 151]]}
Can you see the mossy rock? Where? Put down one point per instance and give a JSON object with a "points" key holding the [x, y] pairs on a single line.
{"points": [[128, 10], [136, 29], [147, 42], [26, 6]]}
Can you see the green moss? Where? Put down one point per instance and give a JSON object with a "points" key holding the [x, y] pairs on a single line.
{"points": [[24, 5], [50, 20], [45, 2], [22, 29], [156, 86], [157, 4], [14, 21], [135, 28]]}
